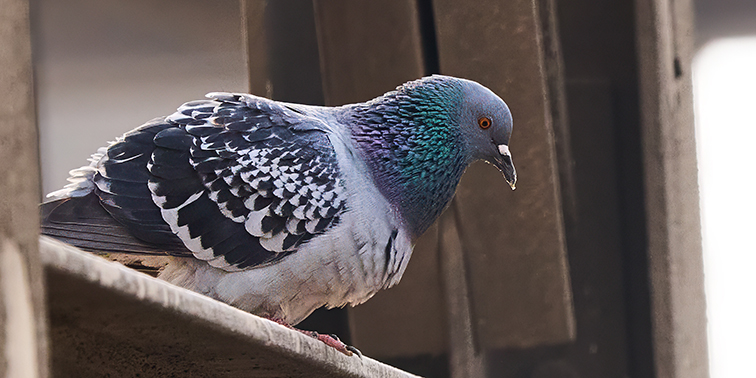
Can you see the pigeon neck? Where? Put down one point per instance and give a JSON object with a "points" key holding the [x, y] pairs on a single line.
{"points": [[413, 147]]}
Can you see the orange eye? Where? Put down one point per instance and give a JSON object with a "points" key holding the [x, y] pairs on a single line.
{"points": [[484, 122]]}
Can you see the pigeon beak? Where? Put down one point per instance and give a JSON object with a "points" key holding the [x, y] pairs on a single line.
{"points": [[504, 162]]}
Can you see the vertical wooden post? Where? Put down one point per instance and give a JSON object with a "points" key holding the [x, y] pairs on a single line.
{"points": [[514, 242], [466, 358], [553, 70], [23, 346], [664, 29], [282, 50], [255, 46], [366, 49]]}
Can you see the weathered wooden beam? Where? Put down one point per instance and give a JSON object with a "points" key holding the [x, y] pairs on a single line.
{"points": [[513, 242], [255, 46], [130, 324], [23, 343], [553, 69], [366, 49], [665, 45], [281, 50], [466, 359]]}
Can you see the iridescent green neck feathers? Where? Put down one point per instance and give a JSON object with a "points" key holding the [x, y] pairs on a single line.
{"points": [[412, 143]]}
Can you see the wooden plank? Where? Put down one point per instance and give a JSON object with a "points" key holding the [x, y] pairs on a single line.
{"points": [[130, 324], [595, 243], [514, 242], [282, 50], [23, 343], [466, 360], [366, 49], [553, 69], [607, 244], [256, 46], [665, 44]]}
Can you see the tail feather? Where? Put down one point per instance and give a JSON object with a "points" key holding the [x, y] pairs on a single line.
{"points": [[84, 223]]}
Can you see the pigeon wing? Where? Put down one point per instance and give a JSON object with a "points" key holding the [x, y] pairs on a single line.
{"points": [[244, 181]]}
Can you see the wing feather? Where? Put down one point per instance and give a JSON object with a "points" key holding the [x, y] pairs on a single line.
{"points": [[270, 186]]}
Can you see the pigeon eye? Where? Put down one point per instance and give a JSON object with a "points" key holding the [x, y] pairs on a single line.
{"points": [[484, 122]]}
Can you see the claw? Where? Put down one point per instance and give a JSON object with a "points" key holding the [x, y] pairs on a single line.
{"points": [[335, 343], [354, 350]]}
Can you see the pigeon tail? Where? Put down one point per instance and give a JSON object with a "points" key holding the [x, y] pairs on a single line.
{"points": [[84, 223]]}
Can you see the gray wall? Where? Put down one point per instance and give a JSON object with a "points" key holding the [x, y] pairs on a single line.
{"points": [[103, 67]]}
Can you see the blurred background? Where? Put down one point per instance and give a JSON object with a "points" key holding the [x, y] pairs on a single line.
{"points": [[105, 67]]}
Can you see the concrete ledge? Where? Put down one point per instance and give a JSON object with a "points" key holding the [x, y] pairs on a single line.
{"points": [[108, 320]]}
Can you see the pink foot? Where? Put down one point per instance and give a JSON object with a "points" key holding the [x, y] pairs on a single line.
{"points": [[330, 340], [335, 343]]}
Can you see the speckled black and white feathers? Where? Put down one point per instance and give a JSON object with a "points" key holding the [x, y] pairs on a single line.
{"points": [[239, 180], [274, 186]]}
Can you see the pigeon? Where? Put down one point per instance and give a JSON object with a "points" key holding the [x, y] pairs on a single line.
{"points": [[280, 208]]}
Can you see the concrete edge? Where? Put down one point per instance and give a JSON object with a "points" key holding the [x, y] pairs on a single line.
{"points": [[114, 276]]}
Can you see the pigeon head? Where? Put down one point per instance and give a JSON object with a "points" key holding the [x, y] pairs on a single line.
{"points": [[418, 140], [486, 125]]}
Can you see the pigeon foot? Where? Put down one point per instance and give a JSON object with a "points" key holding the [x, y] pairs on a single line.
{"points": [[330, 340]]}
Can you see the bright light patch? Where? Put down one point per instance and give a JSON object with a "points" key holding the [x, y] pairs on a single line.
{"points": [[725, 94]]}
